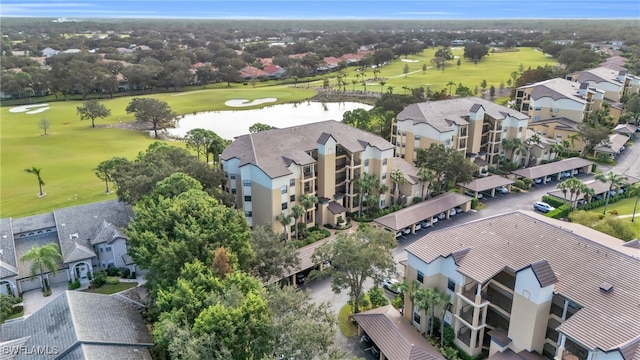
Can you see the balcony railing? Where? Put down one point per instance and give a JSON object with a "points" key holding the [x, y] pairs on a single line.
{"points": [[466, 313], [464, 335], [500, 299]]}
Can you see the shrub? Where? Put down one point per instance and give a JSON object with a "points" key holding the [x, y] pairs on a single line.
{"points": [[89, 276], [364, 301], [132, 275], [74, 284], [416, 200], [553, 201], [559, 213], [520, 184], [528, 181], [125, 273], [113, 271], [112, 280], [515, 190], [397, 302], [328, 226], [377, 297], [474, 203], [99, 279], [613, 212]]}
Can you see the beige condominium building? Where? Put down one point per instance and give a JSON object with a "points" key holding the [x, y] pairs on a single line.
{"points": [[473, 126], [614, 83], [268, 171], [524, 286]]}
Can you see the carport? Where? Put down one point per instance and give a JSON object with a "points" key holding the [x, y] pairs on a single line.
{"points": [[613, 147], [411, 215], [555, 168], [305, 254], [394, 336], [599, 188], [486, 183]]}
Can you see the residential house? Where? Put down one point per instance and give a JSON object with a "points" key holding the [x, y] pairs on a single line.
{"points": [[49, 52], [268, 171], [78, 325], [274, 71], [526, 286], [471, 125], [89, 237]]}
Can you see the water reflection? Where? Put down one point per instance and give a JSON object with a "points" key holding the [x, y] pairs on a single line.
{"points": [[229, 124]]}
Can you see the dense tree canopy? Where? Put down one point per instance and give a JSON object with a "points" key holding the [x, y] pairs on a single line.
{"points": [[155, 111], [449, 166], [273, 256]]}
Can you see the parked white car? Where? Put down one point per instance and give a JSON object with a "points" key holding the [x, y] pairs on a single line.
{"points": [[441, 216], [452, 212], [418, 226], [502, 190]]}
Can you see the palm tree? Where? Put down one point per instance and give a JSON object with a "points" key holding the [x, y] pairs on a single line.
{"points": [[382, 84], [574, 187], [588, 193], [376, 71], [390, 89], [398, 179], [450, 84], [425, 176], [363, 184], [308, 202], [42, 258], [426, 300], [36, 171], [615, 182], [408, 290], [285, 220], [563, 186], [296, 212], [511, 146], [443, 301], [572, 139]]}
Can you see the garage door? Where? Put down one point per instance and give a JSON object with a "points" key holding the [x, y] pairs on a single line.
{"points": [[26, 284], [61, 277]]}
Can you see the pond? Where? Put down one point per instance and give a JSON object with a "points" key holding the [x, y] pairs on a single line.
{"points": [[230, 124]]}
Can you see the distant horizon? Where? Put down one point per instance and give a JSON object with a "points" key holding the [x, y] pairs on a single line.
{"points": [[300, 10]]}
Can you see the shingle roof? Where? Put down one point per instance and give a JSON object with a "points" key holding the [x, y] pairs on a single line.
{"points": [[74, 318], [108, 352], [31, 223], [25, 244], [552, 168], [556, 89], [598, 75], [8, 260], [487, 183], [423, 210], [77, 226], [106, 233], [395, 337], [336, 208], [441, 114], [581, 258], [268, 149]]}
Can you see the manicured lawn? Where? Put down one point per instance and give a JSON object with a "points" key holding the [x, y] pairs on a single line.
{"points": [[107, 289], [495, 68], [72, 149], [347, 328], [623, 207]]}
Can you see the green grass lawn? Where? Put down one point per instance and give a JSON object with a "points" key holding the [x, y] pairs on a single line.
{"points": [[623, 207], [347, 328], [72, 149], [495, 68], [107, 289]]}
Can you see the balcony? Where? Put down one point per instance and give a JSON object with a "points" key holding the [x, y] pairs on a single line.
{"points": [[505, 279], [466, 314], [500, 298], [464, 335]]}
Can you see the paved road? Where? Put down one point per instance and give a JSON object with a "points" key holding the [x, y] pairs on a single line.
{"points": [[628, 162]]}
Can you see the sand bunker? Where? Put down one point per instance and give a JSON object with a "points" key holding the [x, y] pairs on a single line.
{"points": [[30, 109], [409, 60], [247, 102]]}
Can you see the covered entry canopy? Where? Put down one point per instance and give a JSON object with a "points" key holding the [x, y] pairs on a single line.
{"points": [[486, 183], [554, 168], [424, 210], [394, 336]]}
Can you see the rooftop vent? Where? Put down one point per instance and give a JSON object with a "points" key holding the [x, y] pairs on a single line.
{"points": [[606, 287], [73, 236]]}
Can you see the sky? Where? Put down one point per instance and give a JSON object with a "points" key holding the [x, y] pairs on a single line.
{"points": [[326, 9]]}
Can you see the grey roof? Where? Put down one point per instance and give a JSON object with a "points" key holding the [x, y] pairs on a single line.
{"points": [[22, 245], [553, 168], [423, 210], [395, 337], [598, 187], [487, 183], [616, 142], [336, 208], [74, 318], [556, 89], [8, 260], [581, 258], [274, 150], [106, 233], [33, 223], [441, 114], [409, 171], [83, 220], [625, 129], [615, 63], [108, 352], [598, 75], [561, 123]]}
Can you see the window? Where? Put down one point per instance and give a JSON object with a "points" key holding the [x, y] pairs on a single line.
{"points": [[234, 191], [292, 182], [451, 285], [538, 108], [233, 176], [382, 203], [284, 206], [248, 214], [417, 137], [292, 198], [246, 182], [536, 118], [108, 248], [384, 176], [247, 198], [416, 318], [447, 142], [101, 249], [420, 277], [384, 161], [283, 189], [404, 133]]}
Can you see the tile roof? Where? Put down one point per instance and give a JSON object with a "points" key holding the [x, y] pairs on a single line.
{"points": [[561, 123], [553, 168], [412, 214], [581, 258], [74, 318], [409, 171], [615, 63], [544, 273], [556, 89], [77, 225], [443, 113], [395, 337], [268, 151], [336, 208], [8, 259], [487, 183]]}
